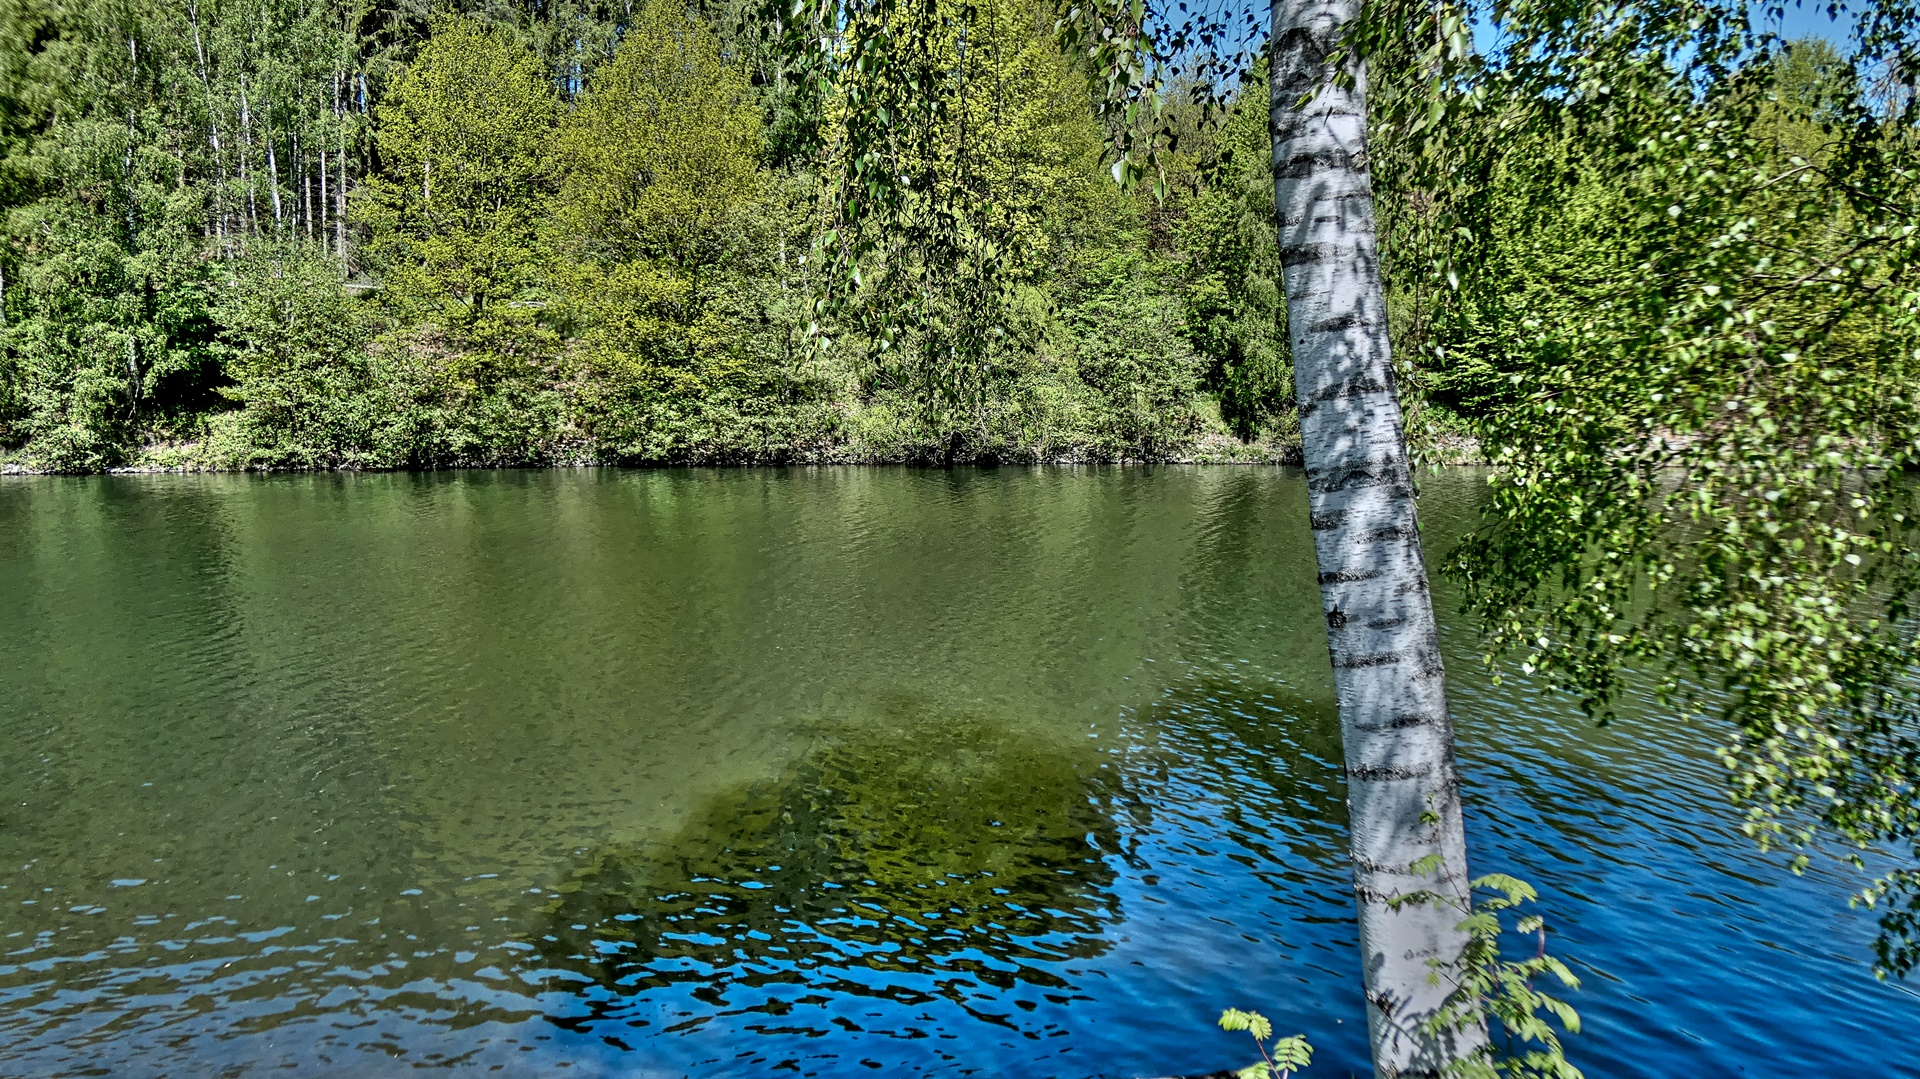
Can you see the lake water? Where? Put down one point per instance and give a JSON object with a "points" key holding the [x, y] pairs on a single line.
{"points": [[826, 772]]}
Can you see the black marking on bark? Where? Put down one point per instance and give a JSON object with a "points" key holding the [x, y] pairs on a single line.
{"points": [[1432, 670], [1361, 477], [1303, 254], [1322, 165], [1320, 522], [1322, 473], [1347, 576], [1351, 231], [1392, 532], [1311, 407], [1368, 865], [1317, 163], [1338, 322], [1352, 387], [1389, 773], [1336, 618], [1354, 186], [1371, 659], [1398, 723], [1291, 125], [1299, 64], [1356, 234], [1388, 623]]}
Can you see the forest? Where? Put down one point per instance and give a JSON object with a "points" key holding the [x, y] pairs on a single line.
{"points": [[272, 234], [1652, 263]]}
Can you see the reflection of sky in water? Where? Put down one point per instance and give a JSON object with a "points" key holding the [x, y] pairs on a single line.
{"points": [[1014, 773]]}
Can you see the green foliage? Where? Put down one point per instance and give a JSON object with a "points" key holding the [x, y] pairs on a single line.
{"points": [[1811, 85], [433, 409], [1669, 270], [102, 319], [465, 138], [1285, 1057], [1236, 316], [662, 210], [1502, 991], [661, 153], [963, 190], [293, 344], [277, 234], [1128, 346]]}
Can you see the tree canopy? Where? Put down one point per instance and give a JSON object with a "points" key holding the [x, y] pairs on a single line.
{"points": [[243, 233]]}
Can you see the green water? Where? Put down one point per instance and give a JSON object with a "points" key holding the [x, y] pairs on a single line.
{"points": [[1004, 772]]}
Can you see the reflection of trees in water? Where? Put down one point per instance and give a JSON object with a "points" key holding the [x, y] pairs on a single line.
{"points": [[937, 857]]}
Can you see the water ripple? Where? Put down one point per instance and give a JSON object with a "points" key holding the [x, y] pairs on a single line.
{"points": [[831, 771]]}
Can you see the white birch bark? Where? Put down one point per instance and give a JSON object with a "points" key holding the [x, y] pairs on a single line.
{"points": [[213, 126], [340, 204], [246, 139], [306, 194], [273, 183], [324, 243], [340, 189], [326, 167], [1402, 791]]}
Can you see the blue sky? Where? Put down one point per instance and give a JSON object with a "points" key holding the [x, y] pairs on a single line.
{"points": [[1805, 19]]}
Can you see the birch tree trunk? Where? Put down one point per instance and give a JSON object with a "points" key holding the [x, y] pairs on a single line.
{"points": [[340, 189], [213, 127], [306, 195], [325, 243], [1402, 791], [340, 204], [246, 139], [273, 182]]}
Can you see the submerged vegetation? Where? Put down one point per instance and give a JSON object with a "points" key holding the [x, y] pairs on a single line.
{"points": [[979, 854]]}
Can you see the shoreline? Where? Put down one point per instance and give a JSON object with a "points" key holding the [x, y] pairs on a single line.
{"points": [[1209, 450]]}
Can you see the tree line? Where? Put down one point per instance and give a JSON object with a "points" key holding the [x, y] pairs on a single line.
{"points": [[299, 233], [256, 233]]}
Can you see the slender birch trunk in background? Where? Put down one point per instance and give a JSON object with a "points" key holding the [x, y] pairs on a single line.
{"points": [[213, 127], [340, 189], [340, 202], [1402, 791], [246, 140], [273, 182], [299, 167], [325, 243]]}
